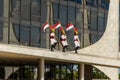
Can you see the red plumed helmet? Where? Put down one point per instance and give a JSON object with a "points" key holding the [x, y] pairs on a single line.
{"points": [[52, 27], [61, 28], [75, 29]]}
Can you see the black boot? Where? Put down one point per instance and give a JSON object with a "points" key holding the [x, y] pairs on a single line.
{"points": [[78, 47], [64, 49], [52, 46], [55, 44], [76, 50]]}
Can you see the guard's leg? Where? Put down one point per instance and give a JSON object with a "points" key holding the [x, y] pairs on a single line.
{"points": [[63, 48], [52, 46], [76, 50], [66, 47], [55, 44]]}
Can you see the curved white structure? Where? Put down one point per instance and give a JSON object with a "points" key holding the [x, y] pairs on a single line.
{"points": [[108, 45], [112, 73]]}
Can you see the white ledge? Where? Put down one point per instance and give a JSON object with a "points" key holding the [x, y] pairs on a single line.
{"points": [[23, 52]]}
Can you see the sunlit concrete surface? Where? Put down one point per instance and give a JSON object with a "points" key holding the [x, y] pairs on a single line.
{"points": [[31, 53], [108, 45]]}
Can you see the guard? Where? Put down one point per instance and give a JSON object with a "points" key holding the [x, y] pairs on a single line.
{"points": [[52, 38], [63, 39], [76, 40]]}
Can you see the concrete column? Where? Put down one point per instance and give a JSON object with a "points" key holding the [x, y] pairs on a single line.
{"points": [[47, 19], [45, 16], [85, 72], [81, 71], [88, 72], [86, 36], [5, 14], [41, 69]]}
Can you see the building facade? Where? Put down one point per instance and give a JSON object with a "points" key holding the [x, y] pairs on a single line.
{"points": [[21, 32]]}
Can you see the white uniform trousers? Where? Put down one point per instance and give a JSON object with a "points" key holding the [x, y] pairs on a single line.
{"points": [[64, 43], [76, 41], [77, 44], [53, 41]]}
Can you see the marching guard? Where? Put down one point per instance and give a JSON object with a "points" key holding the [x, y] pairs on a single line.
{"points": [[63, 39], [76, 40], [53, 41], [52, 38]]}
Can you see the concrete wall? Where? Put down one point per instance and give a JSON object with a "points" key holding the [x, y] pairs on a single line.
{"points": [[112, 73], [108, 45]]}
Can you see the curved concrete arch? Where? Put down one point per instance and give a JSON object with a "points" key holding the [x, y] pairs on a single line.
{"points": [[109, 72], [108, 45], [9, 71], [5, 29]]}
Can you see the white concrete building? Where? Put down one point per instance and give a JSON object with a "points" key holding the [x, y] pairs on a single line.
{"points": [[25, 50]]}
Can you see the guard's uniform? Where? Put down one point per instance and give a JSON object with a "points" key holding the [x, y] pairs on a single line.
{"points": [[52, 38], [63, 39], [53, 41], [76, 40]]}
